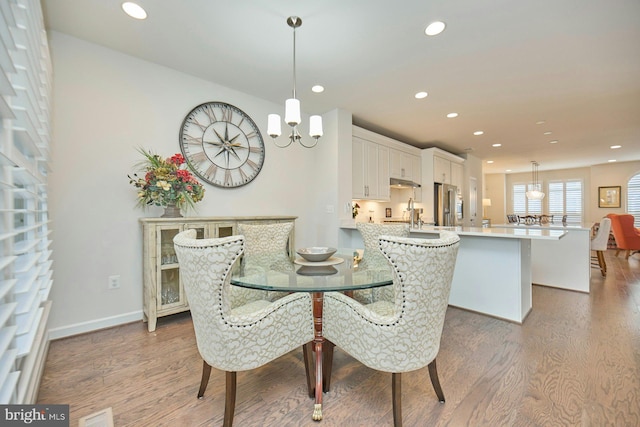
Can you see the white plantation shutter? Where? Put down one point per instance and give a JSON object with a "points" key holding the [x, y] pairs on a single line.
{"points": [[522, 205], [565, 198], [519, 199], [25, 255], [561, 198], [633, 198]]}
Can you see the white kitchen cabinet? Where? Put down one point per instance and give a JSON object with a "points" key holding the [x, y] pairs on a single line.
{"points": [[416, 168], [457, 175], [370, 170], [402, 164], [441, 170]]}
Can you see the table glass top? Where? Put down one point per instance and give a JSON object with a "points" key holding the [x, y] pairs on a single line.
{"points": [[277, 272]]}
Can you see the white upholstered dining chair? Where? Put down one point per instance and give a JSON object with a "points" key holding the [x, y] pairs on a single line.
{"points": [[370, 233], [599, 244], [402, 335], [239, 338], [262, 239]]}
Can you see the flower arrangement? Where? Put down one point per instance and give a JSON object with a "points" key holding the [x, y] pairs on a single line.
{"points": [[166, 182], [354, 210]]}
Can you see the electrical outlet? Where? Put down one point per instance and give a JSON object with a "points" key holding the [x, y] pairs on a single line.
{"points": [[114, 281]]}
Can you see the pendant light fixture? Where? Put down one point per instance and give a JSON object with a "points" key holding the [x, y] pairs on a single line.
{"points": [[536, 190], [292, 107]]}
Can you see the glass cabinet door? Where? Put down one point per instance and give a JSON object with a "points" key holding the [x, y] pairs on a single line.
{"points": [[170, 293]]}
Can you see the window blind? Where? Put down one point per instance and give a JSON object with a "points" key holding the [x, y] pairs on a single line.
{"points": [[25, 258], [564, 197], [633, 198]]}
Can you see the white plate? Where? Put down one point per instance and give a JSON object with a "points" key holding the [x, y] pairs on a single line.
{"points": [[331, 261]]}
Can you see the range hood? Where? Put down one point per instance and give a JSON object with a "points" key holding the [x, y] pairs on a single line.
{"points": [[403, 183]]}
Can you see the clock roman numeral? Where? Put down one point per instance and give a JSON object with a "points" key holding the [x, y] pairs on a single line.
{"points": [[195, 122], [255, 149], [227, 114], [243, 176], [211, 171], [253, 165], [227, 177], [251, 135], [199, 157], [192, 139], [210, 113]]}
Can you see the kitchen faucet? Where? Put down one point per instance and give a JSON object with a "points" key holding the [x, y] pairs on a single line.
{"points": [[410, 209]]}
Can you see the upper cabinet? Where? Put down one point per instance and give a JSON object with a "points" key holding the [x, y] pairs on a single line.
{"points": [[370, 170], [447, 168], [376, 159], [404, 165], [457, 174]]}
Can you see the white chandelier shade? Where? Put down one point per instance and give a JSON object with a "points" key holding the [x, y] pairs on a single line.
{"points": [[535, 193], [292, 116]]}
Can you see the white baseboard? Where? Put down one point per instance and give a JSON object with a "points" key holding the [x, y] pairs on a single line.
{"points": [[94, 325]]}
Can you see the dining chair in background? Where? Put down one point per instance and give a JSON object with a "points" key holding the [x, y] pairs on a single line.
{"points": [[240, 338], [402, 335], [599, 244], [261, 239], [626, 235], [370, 233]]}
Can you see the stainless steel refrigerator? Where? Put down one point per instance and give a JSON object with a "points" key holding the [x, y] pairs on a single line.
{"points": [[447, 205]]}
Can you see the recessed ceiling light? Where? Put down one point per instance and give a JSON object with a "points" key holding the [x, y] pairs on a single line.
{"points": [[540, 122], [134, 10], [613, 147], [317, 89], [548, 132], [478, 132], [555, 141], [612, 160], [489, 161], [496, 145], [508, 170], [435, 28], [452, 115], [421, 95]]}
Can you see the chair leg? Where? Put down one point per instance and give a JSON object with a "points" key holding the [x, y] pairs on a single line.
{"points": [[229, 399], [307, 350], [327, 365], [433, 374], [627, 254], [206, 373], [396, 396], [602, 263]]}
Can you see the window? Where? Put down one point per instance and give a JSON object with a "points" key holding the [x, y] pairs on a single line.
{"points": [[565, 198], [522, 205], [562, 198], [633, 198]]}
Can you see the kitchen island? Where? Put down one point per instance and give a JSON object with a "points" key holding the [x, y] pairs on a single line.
{"points": [[493, 269], [565, 264]]}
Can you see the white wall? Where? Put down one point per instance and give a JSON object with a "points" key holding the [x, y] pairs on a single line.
{"points": [[606, 175], [105, 105]]}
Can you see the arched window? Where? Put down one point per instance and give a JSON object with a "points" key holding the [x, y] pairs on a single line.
{"points": [[633, 198]]}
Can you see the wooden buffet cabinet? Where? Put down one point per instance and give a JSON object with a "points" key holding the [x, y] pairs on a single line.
{"points": [[163, 290]]}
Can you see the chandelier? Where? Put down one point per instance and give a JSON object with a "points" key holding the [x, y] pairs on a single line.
{"points": [[535, 193], [292, 107]]}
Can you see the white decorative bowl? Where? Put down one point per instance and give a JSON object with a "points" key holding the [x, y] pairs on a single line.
{"points": [[316, 253]]}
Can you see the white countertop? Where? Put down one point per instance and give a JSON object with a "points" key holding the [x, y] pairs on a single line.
{"points": [[500, 232], [560, 226]]}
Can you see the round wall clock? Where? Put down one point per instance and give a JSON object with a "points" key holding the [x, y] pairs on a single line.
{"points": [[222, 145]]}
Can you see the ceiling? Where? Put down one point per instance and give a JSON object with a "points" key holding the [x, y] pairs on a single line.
{"points": [[502, 65]]}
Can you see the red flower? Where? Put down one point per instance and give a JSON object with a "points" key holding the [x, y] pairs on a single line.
{"points": [[183, 174], [176, 159]]}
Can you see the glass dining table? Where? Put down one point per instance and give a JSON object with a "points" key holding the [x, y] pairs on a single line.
{"points": [[345, 272]]}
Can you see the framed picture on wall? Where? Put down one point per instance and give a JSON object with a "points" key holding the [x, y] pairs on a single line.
{"points": [[609, 197]]}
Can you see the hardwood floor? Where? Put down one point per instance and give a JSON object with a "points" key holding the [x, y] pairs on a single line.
{"points": [[574, 362]]}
